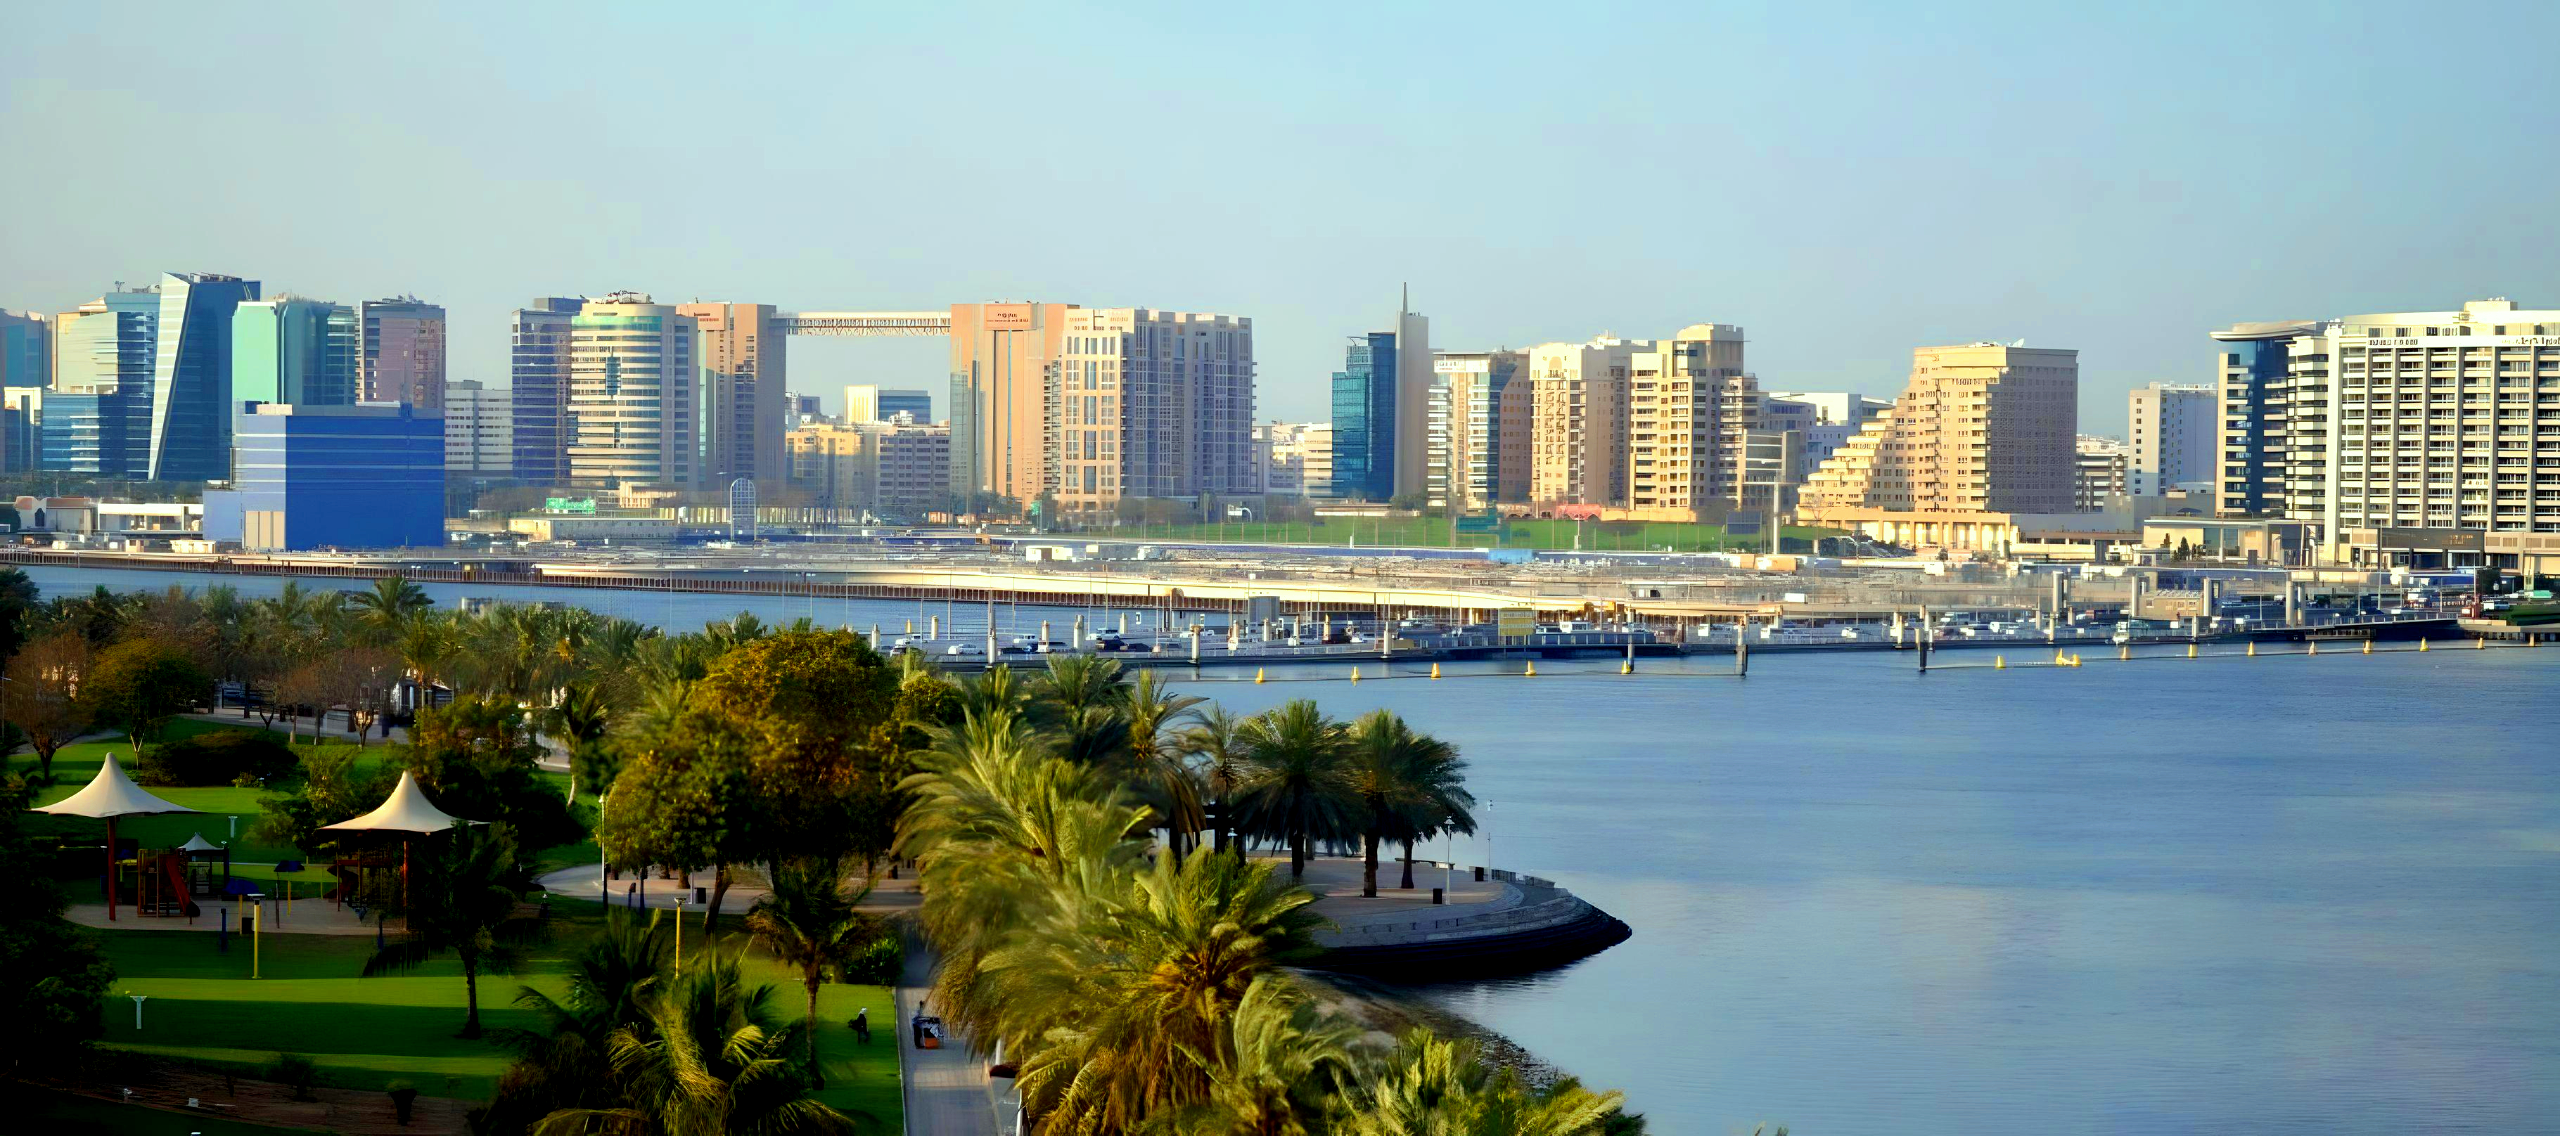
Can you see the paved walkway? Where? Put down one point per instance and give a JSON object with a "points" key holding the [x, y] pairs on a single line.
{"points": [[947, 1090], [888, 896], [307, 916], [1336, 882]]}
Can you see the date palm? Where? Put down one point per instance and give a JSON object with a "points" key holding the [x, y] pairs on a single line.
{"points": [[809, 923], [713, 1058], [1280, 1061], [1154, 768], [1214, 740], [1294, 788], [463, 901], [1433, 1086], [566, 1064]]}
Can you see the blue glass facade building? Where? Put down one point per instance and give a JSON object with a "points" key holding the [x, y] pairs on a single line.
{"points": [[538, 378], [1364, 419], [294, 350], [191, 418], [317, 477], [97, 417], [2253, 391]]}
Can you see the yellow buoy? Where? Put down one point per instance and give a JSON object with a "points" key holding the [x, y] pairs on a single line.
{"points": [[1355, 674], [1999, 662], [1435, 670], [1257, 674], [2253, 648], [2191, 650], [2481, 643], [2368, 646], [2075, 658], [2310, 647], [2125, 653], [1532, 672], [2059, 660], [2422, 644]]}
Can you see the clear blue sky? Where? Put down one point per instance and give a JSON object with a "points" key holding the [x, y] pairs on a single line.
{"points": [[1845, 182]]}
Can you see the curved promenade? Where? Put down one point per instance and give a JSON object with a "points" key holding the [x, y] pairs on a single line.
{"points": [[1505, 924]]}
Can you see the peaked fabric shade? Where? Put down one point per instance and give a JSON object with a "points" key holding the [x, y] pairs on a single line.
{"points": [[406, 810], [198, 843], [110, 794]]}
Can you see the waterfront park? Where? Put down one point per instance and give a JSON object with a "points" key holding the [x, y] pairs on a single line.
{"points": [[344, 861]]}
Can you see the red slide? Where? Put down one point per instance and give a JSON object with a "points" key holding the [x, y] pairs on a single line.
{"points": [[173, 869]]}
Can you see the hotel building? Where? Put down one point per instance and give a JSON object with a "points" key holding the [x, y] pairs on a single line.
{"points": [[1003, 357], [634, 395], [1983, 432]]}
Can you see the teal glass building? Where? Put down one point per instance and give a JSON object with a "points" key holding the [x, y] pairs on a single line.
{"points": [[97, 416], [294, 350], [1364, 419]]}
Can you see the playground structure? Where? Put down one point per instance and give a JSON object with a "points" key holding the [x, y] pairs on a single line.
{"points": [[112, 794], [167, 882]]}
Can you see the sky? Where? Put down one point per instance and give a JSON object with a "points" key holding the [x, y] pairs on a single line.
{"points": [[1846, 182]]}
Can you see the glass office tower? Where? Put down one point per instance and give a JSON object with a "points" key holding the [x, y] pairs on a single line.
{"points": [[293, 350], [1364, 419], [190, 437]]}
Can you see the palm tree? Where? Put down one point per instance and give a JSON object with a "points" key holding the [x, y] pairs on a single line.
{"points": [[1294, 788], [1433, 1086], [464, 902], [1105, 998], [713, 1058], [1216, 741], [390, 605], [566, 1065], [582, 718], [1282, 1060], [1075, 683], [1409, 785], [809, 922], [1154, 767]]}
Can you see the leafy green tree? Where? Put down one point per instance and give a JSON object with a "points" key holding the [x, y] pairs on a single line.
{"points": [[810, 704], [40, 696], [53, 1004], [809, 923], [477, 758], [686, 801], [18, 603], [334, 788], [389, 606], [138, 685], [462, 900], [1294, 788], [582, 719]]}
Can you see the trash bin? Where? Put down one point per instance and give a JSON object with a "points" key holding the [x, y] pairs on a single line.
{"points": [[702, 895], [1436, 896]]}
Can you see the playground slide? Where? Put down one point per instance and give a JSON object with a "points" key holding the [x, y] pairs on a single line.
{"points": [[173, 872]]}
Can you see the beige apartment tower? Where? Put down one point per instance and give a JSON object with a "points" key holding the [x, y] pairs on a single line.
{"points": [[743, 381], [1003, 357], [1578, 420], [1689, 406], [1149, 403], [1981, 428]]}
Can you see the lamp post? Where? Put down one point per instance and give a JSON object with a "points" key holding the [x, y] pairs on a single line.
{"points": [[257, 927], [679, 910], [138, 1000]]}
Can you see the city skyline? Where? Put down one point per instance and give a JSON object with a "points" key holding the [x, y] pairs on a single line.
{"points": [[2068, 192]]}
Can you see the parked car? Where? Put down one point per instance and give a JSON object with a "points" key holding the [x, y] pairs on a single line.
{"points": [[964, 650]]}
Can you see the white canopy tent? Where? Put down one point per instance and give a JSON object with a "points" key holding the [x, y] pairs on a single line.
{"points": [[407, 811], [109, 795]]}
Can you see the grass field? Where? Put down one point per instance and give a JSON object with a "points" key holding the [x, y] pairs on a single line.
{"points": [[364, 1033], [76, 764], [1434, 532]]}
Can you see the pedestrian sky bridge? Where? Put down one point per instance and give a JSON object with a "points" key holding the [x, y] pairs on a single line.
{"points": [[866, 324]]}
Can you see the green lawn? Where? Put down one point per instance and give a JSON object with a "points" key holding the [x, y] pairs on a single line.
{"points": [[76, 764], [1434, 532], [32, 1109], [365, 1032]]}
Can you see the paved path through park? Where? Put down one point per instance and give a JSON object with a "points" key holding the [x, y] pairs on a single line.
{"points": [[946, 1089]]}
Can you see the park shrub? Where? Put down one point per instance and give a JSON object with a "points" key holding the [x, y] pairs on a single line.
{"points": [[218, 757], [880, 964], [297, 1072]]}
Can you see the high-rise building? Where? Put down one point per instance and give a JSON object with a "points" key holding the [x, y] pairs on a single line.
{"points": [[2442, 434], [1147, 403], [21, 429], [1578, 420], [1411, 451], [479, 432], [1982, 428], [1479, 441], [807, 409], [1689, 404], [1298, 459], [26, 355], [191, 412], [899, 467], [294, 350], [1827, 419], [97, 416], [2175, 439], [745, 387], [2255, 387], [635, 395], [867, 403], [1364, 419], [403, 351], [538, 388], [2100, 470], [1003, 357], [307, 478]]}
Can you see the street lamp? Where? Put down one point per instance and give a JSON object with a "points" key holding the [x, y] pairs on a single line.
{"points": [[138, 1000]]}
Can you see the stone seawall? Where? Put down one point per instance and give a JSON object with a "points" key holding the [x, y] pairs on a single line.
{"points": [[1534, 925]]}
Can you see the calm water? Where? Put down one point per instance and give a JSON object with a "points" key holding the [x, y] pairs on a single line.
{"points": [[2249, 896]]}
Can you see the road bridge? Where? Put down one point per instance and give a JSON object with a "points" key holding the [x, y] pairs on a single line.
{"points": [[865, 324]]}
